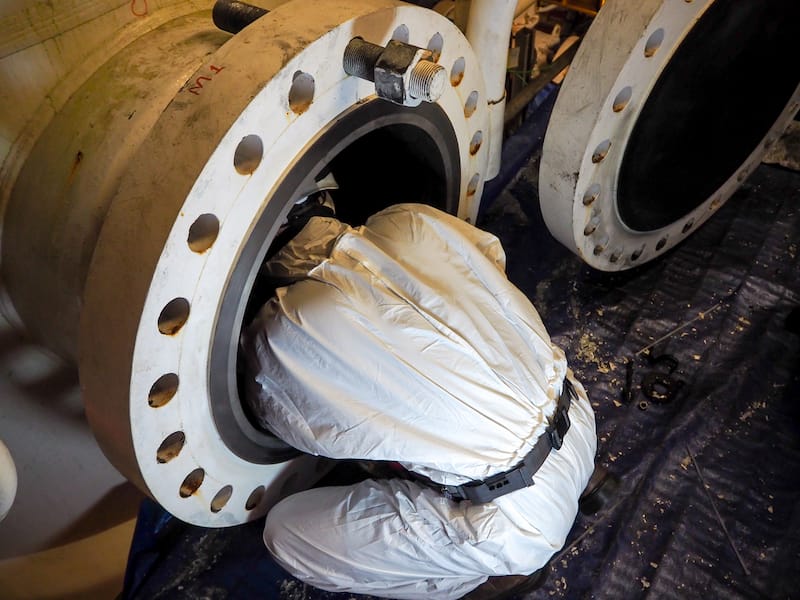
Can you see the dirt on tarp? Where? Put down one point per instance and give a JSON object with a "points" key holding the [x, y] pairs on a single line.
{"points": [[710, 460], [786, 149], [692, 364]]}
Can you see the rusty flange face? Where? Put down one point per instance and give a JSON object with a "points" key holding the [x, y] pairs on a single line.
{"points": [[667, 108], [178, 231]]}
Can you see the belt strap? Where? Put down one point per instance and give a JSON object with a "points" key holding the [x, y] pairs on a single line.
{"points": [[486, 490]]}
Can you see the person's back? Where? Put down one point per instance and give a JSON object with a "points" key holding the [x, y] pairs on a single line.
{"points": [[406, 342]]}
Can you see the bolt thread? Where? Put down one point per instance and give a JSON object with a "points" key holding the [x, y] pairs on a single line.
{"points": [[233, 16], [427, 81], [360, 57]]}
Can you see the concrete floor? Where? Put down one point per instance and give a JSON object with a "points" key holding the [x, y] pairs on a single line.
{"points": [[69, 529]]}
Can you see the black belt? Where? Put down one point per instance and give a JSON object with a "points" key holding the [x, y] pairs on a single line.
{"points": [[521, 476]]}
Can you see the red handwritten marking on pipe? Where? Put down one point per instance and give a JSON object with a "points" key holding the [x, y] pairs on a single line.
{"points": [[198, 83], [139, 13]]}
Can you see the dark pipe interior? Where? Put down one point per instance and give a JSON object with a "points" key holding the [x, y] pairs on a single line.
{"points": [[721, 92]]}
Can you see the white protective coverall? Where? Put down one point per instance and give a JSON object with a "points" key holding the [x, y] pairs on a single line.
{"points": [[404, 341]]}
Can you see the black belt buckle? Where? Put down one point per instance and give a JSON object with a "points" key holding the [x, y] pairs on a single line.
{"points": [[558, 429]]}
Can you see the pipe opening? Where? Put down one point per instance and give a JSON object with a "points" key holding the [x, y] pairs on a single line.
{"points": [[722, 90], [380, 154]]}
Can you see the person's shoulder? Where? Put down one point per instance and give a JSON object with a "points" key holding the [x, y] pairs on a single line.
{"points": [[410, 219], [410, 211]]}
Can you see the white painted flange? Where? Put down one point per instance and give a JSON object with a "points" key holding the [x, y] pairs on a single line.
{"points": [[180, 222], [609, 82], [8, 481]]}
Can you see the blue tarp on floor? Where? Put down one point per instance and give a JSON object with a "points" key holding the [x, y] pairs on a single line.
{"points": [[716, 322]]}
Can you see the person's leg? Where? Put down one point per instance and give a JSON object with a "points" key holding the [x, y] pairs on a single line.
{"points": [[396, 539], [389, 538]]}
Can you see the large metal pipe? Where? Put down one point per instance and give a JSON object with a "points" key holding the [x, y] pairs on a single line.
{"points": [[659, 121], [135, 229], [489, 31], [62, 194]]}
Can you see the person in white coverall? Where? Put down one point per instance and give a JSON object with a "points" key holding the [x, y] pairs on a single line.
{"points": [[403, 340]]}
